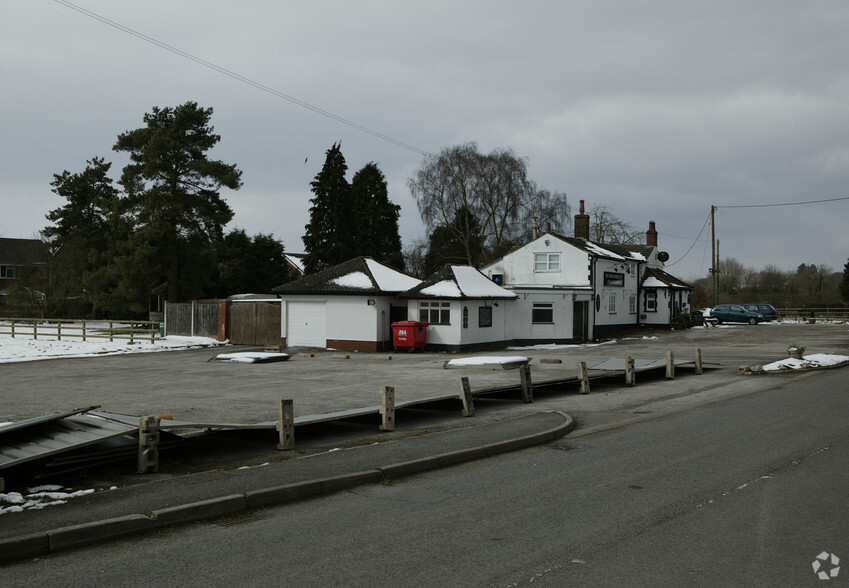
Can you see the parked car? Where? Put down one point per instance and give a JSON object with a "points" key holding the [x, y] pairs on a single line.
{"points": [[767, 310], [734, 313]]}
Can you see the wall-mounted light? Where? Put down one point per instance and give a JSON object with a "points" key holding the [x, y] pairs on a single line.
{"points": [[371, 302]]}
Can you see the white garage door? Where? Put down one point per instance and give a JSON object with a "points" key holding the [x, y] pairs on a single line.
{"points": [[306, 324]]}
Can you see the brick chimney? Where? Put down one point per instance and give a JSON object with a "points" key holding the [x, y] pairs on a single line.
{"points": [[582, 224], [651, 235]]}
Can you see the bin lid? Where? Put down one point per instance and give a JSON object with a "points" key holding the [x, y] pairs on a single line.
{"points": [[409, 324]]}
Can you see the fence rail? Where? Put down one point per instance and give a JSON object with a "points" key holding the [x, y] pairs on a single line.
{"points": [[80, 329], [817, 314]]}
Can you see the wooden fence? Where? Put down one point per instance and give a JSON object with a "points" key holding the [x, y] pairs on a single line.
{"points": [[839, 313], [58, 329], [192, 319]]}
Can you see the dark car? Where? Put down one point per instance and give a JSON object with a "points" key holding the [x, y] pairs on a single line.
{"points": [[767, 310], [734, 313]]}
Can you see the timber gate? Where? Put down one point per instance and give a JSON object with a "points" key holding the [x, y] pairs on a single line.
{"points": [[254, 323]]}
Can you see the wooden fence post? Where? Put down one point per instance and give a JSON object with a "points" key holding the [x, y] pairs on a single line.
{"points": [[527, 384], [285, 424], [387, 408], [148, 444], [630, 372], [466, 397], [670, 365], [583, 377], [698, 359]]}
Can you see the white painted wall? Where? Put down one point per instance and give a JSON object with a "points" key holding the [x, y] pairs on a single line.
{"points": [[518, 266], [349, 318], [621, 315]]}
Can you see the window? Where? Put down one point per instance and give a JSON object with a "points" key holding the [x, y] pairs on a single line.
{"points": [[485, 316], [542, 312], [465, 317], [546, 262], [611, 303], [632, 303], [614, 279], [435, 313], [7, 271], [651, 300]]}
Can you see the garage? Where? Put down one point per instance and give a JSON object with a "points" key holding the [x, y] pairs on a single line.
{"points": [[306, 324]]}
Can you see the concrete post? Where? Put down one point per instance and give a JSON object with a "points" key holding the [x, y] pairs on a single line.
{"points": [[387, 408], [670, 365], [148, 444], [698, 358], [286, 424], [466, 397], [630, 372], [527, 384], [583, 376]]}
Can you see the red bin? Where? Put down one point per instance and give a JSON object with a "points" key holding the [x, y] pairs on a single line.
{"points": [[409, 335]]}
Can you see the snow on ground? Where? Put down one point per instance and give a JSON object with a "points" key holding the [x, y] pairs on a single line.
{"points": [[808, 361], [25, 348], [39, 497], [485, 360], [553, 346]]}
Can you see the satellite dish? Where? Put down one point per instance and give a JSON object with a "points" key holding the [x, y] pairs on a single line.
{"points": [[663, 256]]}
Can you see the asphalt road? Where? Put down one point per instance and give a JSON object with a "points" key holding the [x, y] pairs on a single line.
{"points": [[746, 490]]}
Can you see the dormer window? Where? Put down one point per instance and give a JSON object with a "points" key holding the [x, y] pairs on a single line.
{"points": [[546, 262]]}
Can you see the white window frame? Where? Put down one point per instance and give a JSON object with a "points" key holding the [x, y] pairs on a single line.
{"points": [[542, 307], [437, 309], [632, 304], [651, 300], [611, 303], [547, 262]]}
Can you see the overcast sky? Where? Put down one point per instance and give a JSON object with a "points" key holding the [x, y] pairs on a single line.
{"points": [[657, 109]]}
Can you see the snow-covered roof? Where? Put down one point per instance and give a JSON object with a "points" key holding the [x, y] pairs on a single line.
{"points": [[458, 281], [361, 275], [657, 278]]}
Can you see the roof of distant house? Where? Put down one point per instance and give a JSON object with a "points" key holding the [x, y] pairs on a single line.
{"points": [[22, 251], [361, 275]]}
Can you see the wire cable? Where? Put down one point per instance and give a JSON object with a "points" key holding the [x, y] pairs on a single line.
{"points": [[691, 246], [783, 204], [241, 78]]}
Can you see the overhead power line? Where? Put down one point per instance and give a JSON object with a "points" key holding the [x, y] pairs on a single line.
{"points": [[240, 78], [783, 204]]}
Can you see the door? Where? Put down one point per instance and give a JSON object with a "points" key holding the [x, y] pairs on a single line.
{"points": [[580, 321], [306, 324]]}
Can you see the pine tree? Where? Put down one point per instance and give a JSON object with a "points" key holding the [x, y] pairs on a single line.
{"points": [[844, 283], [330, 235], [173, 191], [377, 218]]}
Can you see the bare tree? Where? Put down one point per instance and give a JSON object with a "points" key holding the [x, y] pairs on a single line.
{"points": [[606, 227], [492, 190]]}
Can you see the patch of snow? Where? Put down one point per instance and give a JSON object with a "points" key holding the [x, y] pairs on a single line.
{"points": [[354, 280], [807, 361], [653, 282], [556, 346], [46, 346], [248, 356], [443, 289], [602, 251], [389, 280], [474, 284], [38, 498], [487, 360]]}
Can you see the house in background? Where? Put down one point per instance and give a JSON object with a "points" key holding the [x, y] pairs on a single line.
{"points": [[295, 264], [24, 276], [571, 289], [349, 306], [463, 308]]}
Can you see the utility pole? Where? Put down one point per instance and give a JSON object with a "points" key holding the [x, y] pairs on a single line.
{"points": [[714, 256]]}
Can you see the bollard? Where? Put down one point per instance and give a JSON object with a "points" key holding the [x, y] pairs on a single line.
{"points": [[630, 372], [527, 385], [583, 377], [387, 408], [698, 358], [148, 444], [285, 424], [670, 365], [466, 397]]}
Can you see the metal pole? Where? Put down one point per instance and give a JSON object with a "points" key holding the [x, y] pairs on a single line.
{"points": [[714, 280]]}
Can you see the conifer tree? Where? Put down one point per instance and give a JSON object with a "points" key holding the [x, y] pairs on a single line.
{"points": [[377, 218], [330, 234]]}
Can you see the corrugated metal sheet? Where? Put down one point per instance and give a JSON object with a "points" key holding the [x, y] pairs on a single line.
{"points": [[46, 436]]}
